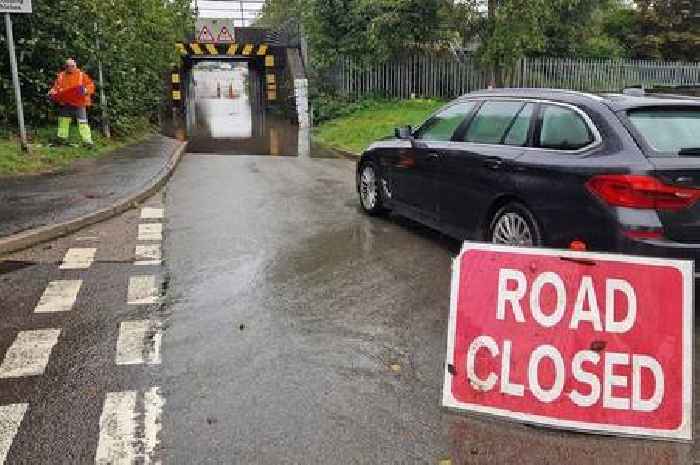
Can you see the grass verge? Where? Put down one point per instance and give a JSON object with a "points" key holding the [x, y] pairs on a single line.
{"points": [[371, 121], [46, 159]]}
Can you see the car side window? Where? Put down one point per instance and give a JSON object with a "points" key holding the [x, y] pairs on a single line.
{"points": [[442, 126], [490, 124], [520, 129], [563, 129]]}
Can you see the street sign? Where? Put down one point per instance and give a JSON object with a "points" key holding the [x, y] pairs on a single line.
{"points": [[15, 6], [220, 30], [205, 35], [224, 36], [592, 342]]}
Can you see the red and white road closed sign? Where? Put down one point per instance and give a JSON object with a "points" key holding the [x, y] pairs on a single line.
{"points": [[593, 342]]}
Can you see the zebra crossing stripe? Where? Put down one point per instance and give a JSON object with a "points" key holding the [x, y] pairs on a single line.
{"points": [[10, 419], [123, 414], [29, 353], [78, 259], [150, 232], [147, 255], [142, 290], [59, 296], [139, 343], [150, 213], [117, 438], [153, 406]]}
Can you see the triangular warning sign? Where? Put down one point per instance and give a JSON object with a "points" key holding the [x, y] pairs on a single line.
{"points": [[225, 35], [205, 35]]}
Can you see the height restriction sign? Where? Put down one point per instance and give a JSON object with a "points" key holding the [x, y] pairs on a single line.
{"points": [[15, 6], [592, 342]]}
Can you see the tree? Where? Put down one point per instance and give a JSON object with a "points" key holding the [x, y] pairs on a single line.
{"points": [[514, 28], [367, 30], [668, 29], [137, 38]]}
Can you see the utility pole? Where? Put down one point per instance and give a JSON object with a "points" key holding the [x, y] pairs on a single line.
{"points": [[100, 77], [492, 5], [15, 82]]}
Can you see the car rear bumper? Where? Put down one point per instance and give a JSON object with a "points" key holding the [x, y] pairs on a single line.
{"points": [[659, 248]]}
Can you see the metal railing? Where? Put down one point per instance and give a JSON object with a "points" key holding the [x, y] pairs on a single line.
{"points": [[449, 75]]}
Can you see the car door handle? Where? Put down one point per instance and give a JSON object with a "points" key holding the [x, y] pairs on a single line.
{"points": [[494, 163], [434, 156]]}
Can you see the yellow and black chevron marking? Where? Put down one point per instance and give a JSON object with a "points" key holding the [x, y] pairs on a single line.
{"points": [[196, 49], [175, 82], [232, 49], [271, 80]]}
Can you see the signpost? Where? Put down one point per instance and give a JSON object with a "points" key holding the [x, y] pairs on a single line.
{"points": [[7, 7], [592, 342]]}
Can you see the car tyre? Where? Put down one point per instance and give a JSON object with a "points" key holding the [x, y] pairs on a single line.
{"points": [[514, 224], [370, 188]]}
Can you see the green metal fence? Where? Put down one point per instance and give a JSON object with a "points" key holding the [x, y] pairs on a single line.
{"points": [[451, 75]]}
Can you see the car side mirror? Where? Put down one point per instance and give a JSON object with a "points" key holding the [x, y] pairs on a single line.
{"points": [[405, 132]]}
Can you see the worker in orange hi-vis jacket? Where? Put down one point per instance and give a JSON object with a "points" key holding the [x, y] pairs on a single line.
{"points": [[72, 91]]}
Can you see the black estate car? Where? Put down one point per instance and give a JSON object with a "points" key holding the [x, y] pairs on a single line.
{"points": [[612, 172]]}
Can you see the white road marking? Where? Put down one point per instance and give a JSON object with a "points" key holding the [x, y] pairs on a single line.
{"points": [[142, 290], [150, 232], [117, 443], [138, 343], [153, 405], [78, 259], [59, 296], [10, 419], [29, 353], [147, 255], [149, 213]]}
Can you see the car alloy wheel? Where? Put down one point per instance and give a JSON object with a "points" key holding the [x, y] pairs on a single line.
{"points": [[512, 229], [369, 188]]}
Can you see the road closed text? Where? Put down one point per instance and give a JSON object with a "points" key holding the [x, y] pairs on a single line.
{"points": [[595, 369], [601, 343]]}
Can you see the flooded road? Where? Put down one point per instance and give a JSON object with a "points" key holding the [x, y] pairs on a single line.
{"points": [[227, 114], [304, 331]]}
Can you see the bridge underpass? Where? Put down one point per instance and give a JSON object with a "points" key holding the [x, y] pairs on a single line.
{"points": [[238, 97]]}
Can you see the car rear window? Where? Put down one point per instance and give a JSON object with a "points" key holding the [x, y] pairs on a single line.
{"points": [[563, 129], [668, 131]]}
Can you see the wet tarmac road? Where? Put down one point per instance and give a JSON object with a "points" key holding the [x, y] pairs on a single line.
{"points": [[295, 330]]}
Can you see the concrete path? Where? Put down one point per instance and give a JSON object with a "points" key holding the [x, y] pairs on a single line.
{"points": [[29, 202]]}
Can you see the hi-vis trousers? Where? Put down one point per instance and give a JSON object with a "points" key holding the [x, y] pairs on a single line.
{"points": [[66, 113]]}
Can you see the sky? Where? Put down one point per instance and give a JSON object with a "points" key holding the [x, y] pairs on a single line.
{"points": [[230, 9]]}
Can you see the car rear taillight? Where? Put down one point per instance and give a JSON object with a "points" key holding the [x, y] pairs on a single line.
{"points": [[651, 233], [637, 191]]}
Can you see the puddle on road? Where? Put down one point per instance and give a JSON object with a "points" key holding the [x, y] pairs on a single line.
{"points": [[225, 115], [276, 137]]}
